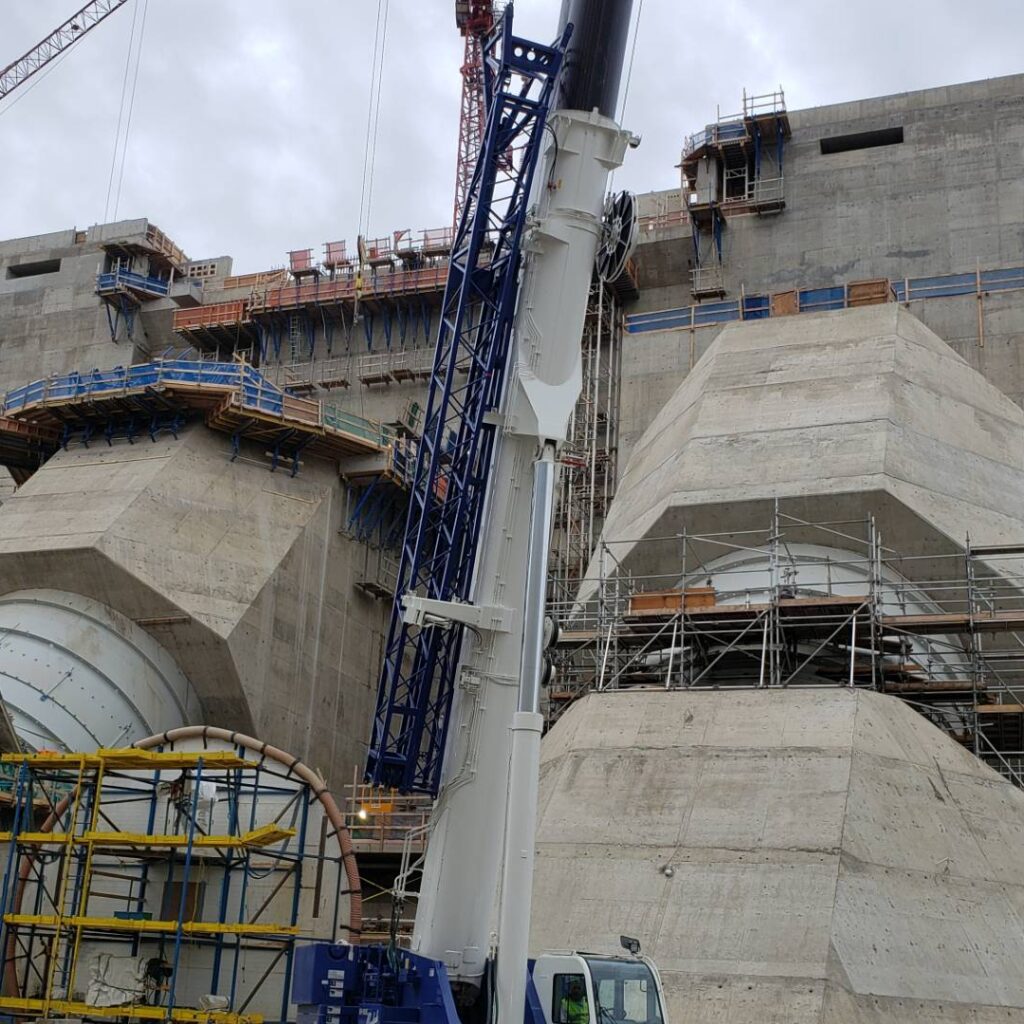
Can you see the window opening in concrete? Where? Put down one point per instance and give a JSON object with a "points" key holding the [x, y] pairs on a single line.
{"points": [[862, 140], [34, 269]]}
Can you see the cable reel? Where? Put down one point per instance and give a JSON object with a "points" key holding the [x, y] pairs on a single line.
{"points": [[620, 227]]}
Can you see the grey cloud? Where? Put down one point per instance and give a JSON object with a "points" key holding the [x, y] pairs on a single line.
{"points": [[250, 116]]}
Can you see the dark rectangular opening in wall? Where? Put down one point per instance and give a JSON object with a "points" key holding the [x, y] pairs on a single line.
{"points": [[862, 140], [34, 269]]}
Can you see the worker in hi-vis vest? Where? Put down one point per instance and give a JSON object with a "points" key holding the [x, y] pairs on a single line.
{"points": [[574, 1005]]}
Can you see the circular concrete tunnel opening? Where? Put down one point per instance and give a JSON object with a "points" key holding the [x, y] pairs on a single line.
{"points": [[77, 675]]}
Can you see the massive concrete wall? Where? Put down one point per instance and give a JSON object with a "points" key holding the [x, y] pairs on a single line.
{"points": [[948, 199], [52, 321], [854, 410], [785, 856], [242, 575]]}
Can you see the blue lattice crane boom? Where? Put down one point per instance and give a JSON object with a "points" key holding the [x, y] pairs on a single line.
{"points": [[79, 24], [457, 713]]}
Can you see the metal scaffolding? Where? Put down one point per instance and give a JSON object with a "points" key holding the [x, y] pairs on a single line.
{"points": [[808, 604], [162, 886], [589, 466]]}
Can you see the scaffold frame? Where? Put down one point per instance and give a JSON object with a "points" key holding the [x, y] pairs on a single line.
{"points": [[944, 632], [88, 881]]}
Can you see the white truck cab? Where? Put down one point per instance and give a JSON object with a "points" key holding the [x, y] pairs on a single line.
{"points": [[591, 988]]}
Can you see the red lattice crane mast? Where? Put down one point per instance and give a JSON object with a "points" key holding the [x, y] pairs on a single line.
{"points": [[475, 19]]}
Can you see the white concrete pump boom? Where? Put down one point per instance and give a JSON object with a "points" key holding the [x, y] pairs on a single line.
{"points": [[81, 22]]}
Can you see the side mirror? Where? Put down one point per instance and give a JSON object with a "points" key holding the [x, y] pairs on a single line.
{"points": [[632, 946]]}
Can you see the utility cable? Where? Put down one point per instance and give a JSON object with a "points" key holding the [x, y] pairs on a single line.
{"points": [[120, 111], [22, 93], [629, 79], [131, 107], [632, 58], [369, 114], [376, 115], [373, 114]]}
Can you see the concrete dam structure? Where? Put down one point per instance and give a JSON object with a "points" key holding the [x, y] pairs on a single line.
{"points": [[791, 856], [785, 739], [797, 853]]}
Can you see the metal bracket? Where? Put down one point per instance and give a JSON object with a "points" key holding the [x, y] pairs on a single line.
{"points": [[425, 611]]}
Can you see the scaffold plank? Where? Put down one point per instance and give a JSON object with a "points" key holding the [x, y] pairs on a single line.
{"points": [[1004, 620], [119, 924], [266, 835], [129, 759], [36, 838], [131, 1010]]}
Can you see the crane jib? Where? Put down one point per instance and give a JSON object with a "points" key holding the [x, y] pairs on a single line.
{"points": [[453, 462], [82, 21]]}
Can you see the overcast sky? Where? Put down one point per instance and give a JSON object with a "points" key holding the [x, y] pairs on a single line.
{"points": [[247, 136]]}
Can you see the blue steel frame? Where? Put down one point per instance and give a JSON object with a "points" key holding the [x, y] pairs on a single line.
{"points": [[454, 460]]}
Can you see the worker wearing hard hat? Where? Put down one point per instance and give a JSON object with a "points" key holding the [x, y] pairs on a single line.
{"points": [[574, 1009]]}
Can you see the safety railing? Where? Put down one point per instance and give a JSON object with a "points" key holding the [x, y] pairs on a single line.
{"points": [[663, 220], [437, 240], [127, 279], [769, 104], [62, 388], [380, 821], [157, 240], [261, 279], [767, 190], [217, 314], [357, 426], [722, 133], [947, 285], [300, 261], [332, 372], [335, 255], [344, 288], [382, 367], [810, 300], [707, 280]]}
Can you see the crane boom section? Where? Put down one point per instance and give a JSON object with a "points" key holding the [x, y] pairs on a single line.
{"points": [[477, 873], [453, 467], [80, 23]]}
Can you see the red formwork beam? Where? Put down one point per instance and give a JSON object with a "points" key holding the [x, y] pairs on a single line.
{"points": [[301, 261], [336, 256], [217, 314], [397, 282]]}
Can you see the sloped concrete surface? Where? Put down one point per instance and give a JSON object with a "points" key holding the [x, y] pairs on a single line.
{"points": [[240, 574], [863, 401], [786, 856]]}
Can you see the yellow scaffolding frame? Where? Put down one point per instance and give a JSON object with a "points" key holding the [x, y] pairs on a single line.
{"points": [[83, 835]]}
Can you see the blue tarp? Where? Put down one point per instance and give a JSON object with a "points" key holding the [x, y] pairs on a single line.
{"points": [[817, 299], [958, 284], [756, 307]]}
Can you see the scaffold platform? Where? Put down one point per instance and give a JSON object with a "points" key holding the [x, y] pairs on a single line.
{"points": [[942, 632], [129, 402], [95, 881]]}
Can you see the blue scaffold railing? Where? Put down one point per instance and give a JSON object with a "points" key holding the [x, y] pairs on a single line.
{"points": [[454, 457]]}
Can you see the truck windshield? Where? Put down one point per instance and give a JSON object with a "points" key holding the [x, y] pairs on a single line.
{"points": [[625, 992]]}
